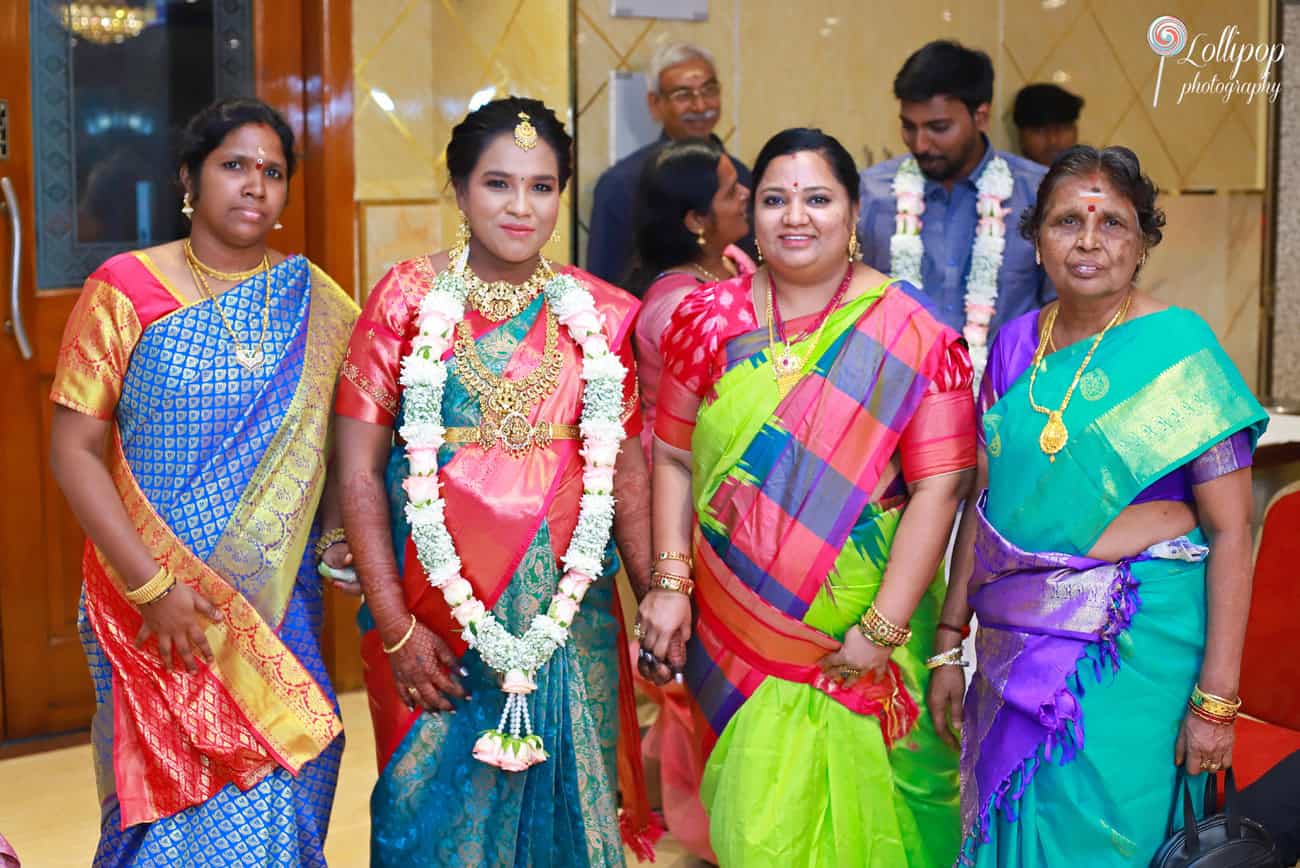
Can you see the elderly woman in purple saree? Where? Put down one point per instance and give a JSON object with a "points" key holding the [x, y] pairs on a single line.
{"points": [[1108, 559]]}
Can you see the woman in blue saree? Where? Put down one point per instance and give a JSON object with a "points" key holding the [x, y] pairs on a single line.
{"points": [[1108, 561], [205, 369]]}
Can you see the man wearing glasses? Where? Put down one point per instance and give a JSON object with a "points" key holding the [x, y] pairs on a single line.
{"points": [[685, 97]]}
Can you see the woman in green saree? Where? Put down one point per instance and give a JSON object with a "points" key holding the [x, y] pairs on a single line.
{"points": [[1109, 559], [807, 470]]}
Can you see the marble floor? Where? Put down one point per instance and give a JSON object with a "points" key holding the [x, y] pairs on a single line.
{"points": [[49, 813]]}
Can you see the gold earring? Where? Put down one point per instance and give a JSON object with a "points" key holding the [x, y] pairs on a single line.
{"points": [[759, 251], [186, 208], [1038, 257], [1143, 260], [699, 238], [854, 249], [462, 231]]}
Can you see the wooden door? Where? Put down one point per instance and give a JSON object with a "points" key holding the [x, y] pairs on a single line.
{"points": [[52, 236]]}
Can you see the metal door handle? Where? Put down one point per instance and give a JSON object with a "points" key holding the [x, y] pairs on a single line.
{"points": [[14, 325]]}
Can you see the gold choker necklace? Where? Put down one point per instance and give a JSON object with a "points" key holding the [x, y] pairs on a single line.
{"points": [[500, 300], [233, 276]]}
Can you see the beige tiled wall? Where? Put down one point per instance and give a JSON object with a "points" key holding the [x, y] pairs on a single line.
{"points": [[827, 63], [831, 63], [416, 66]]}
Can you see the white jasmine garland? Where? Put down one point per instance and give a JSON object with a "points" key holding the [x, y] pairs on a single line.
{"points": [[511, 746], [993, 187]]}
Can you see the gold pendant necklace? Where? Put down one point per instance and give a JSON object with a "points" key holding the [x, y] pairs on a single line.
{"points": [[787, 365], [1055, 435], [504, 404], [252, 358], [500, 300]]}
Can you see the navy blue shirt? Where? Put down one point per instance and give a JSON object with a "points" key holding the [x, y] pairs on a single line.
{"points": [[609, 239], [948, 231]]}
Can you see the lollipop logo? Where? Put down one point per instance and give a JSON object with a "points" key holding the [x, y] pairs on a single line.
{"points": [[1167, 36]]}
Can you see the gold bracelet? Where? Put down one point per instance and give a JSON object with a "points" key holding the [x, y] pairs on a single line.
{"points": [[410, 631], [676, 556], [669, 582], [1214, 705], [1215, 719], [153, 590], [329, 538], [951, 657], [879, 630]]}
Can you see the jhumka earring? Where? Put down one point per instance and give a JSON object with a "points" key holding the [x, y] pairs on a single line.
{"points": [[462, 231], [186, 208], [759, 251], [854, 249], [699, 238]]}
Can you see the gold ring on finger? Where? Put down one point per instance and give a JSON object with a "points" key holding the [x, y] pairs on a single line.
{"points": [[412, 691], [638, 631], [848, 672]]}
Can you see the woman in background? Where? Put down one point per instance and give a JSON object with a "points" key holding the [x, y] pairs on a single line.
{"points": [[691, 210]]}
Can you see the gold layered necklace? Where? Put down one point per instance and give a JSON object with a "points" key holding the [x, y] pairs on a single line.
{"points": [[250, 358], [505, 404], [500, 300], [1054, 435]]}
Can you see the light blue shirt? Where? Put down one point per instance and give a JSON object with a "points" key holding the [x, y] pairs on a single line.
{"points": [[948, 231]]}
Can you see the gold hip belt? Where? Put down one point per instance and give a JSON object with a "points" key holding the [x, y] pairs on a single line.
{"points": [[514, 433]]}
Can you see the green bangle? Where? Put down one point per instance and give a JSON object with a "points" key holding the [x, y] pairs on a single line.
{"points": [[347, 574]]}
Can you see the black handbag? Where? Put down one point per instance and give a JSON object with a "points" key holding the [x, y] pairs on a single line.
{"points": [[1220, 840]]}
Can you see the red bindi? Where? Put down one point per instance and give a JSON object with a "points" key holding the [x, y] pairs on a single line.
{"points": [[1092, 208], [260, 162]]}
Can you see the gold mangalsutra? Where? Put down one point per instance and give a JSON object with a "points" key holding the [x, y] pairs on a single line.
{"points": [[233, 276], [506, 404], [1054, 435], [499, 300], [250, 359]]}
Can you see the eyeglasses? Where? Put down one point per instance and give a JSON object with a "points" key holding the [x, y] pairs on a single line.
{"points": [[682, 97]]}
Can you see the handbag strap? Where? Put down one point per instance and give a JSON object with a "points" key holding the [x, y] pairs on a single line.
{"points": [[1191, 835]]}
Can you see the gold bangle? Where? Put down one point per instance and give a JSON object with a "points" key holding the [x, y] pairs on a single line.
{"points": [[1214, 705], [1215, 719], [153, 590], [329, 538], [951, 657], [676, 556], [669, 582], [879, 630], [410, 631]]}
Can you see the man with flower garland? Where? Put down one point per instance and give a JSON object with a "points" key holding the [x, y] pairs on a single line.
{"points": [[945, 217]]}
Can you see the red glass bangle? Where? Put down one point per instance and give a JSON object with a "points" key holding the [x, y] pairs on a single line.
{"points": [[962, 631]]}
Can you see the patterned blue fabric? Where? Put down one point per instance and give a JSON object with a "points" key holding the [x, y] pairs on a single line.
{"points": [[194, 423], [194, 426], [434, 804]]}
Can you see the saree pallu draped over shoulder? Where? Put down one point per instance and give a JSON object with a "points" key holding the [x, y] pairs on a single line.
{"points": [[220, 470], [510, 518], [797, 501], [1069, 644]]}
